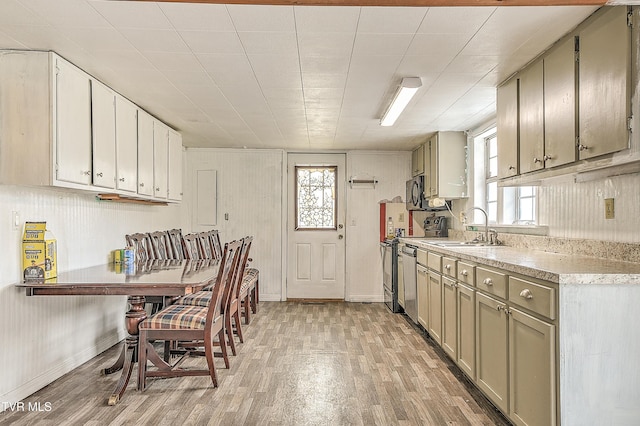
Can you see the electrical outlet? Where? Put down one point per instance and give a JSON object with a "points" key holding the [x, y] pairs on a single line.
{"points": [[609, 208], [15, 220], [401, 217]]}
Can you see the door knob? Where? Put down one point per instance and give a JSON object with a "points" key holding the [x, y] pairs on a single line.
{"points": [[340, 236], [340, 226]]}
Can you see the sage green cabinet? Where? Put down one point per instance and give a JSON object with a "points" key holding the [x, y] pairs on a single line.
{"points": [[466, 360], [604, 101], [445, 166], [507, 128], [417, 161], [423, 295], [450, 317], [560, 105], [435, 306], [531, 118]]}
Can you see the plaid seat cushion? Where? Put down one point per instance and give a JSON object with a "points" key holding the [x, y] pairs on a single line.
{"points": [[177, 317], [250, 274], [201, 298]]}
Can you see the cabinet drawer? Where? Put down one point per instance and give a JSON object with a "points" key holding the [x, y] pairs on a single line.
{"points": [[466, 273], [491, 281], [535, 297], [421, 257], [449, 267], [434, 261]]}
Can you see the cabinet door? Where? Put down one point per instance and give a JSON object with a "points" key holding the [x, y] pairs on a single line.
{"points": [[103, 114], [531, 118], [532, 370], [434, 176], [451, 179], [507, 128], [466, 330], [449, 318], [423, 296], [160, 159], [400, 279], [560, 105], [175, 166], [73, 124], [417, 161], [491, 349], [145, 153], [435, 307], [126, 145], [605, 56]]}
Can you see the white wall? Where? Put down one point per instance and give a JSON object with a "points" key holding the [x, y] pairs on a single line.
{"points": [[249, 190], [364, 264], [43, 337]]}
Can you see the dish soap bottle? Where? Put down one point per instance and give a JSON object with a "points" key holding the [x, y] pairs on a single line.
{"points": [[390, 231]]}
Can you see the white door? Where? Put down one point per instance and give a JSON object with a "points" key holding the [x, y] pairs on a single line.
{"points": [[316, 237]]}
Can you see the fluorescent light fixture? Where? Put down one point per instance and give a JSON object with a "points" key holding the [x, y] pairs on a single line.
{"points": [[407, 89]]}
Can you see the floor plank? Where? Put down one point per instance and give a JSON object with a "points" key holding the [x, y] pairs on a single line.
{"points": [[327, 363]]}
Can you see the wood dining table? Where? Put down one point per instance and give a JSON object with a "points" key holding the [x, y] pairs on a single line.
{"points": [[168, 279]]}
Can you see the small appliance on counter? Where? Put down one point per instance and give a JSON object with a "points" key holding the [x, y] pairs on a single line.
{"points": [[436, 227]]}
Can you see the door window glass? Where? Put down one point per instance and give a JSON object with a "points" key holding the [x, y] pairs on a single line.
{"points": [[316, 197]]}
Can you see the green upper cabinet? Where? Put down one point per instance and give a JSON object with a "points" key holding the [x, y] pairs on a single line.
{"points": [[417, 161], [604, 101], [507, 124], [531, 118], [560, 104]]}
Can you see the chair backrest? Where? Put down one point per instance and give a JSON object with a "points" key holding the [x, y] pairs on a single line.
{"points": [[191, 246], [159, 245], [214, 236], [141, 243], [224, 279], [206, 250], [175, 243], [244, 259]]}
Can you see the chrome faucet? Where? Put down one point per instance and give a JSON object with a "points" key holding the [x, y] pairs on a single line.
{"points": [[486, 221]]}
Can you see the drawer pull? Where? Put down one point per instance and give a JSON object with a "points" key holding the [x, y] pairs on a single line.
{"points": [[464, 273], [526, 293], [487, 281], [447, 267]]}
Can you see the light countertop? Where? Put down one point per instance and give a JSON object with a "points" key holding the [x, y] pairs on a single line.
{"points": [[553, 267]]}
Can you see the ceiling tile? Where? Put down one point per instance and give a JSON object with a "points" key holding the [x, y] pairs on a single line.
{"points": [[155, 40], [316, 19], [198, 17], [262, 18], [324, 80], [132, 14], [390, 20], [212, 42], [97, 39], [473, 63], [325, 44], [369, 44], [420, 65], [68, 13], [282, 43], [218, 67], [324, 64], [173, 61], [455, 20], [437, 44], [14, 13]]}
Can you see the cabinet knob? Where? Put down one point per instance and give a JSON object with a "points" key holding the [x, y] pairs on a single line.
{"points": [[526, 293], [87, 173], [582, 147], [487, 281], [547, 157], [157, 189], [121, 179], [537, 160], [512, 167], [464, 273], [447, 267], [99, 174], [141, 185]]}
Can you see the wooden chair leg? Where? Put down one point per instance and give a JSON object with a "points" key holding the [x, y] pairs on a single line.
{"points": [[229, 331], [208, 352], [236, 317], [223, 347], [142, 360]]}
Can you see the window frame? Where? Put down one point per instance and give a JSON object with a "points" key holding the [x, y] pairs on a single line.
{"points": [[296, 218]]}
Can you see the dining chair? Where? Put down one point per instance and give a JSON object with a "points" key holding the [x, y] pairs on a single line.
{"points": [[192, 246], [176, 244], [160, 249], [214, 236], [247, 287], [251, 281], [188, 323], [231, 304], [141, 243], [206, 249]]}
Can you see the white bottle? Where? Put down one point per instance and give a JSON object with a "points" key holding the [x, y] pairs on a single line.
{"points": [[390, 231]]}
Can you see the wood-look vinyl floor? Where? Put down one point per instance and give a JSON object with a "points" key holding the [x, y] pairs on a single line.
{"points": [[301, 364]]}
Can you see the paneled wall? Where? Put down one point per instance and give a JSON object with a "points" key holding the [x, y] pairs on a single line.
{"points": [[249, 202], [44, 337]]}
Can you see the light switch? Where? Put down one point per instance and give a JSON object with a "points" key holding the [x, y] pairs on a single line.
{"points": [[15, 220], [609, 208]]}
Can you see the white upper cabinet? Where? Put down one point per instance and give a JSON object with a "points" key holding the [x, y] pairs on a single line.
{"points": [[126, 145], [103, 114], [604, 101], [507, 128], [72, 123], [145, 154], [175, 166], [445, 166], [160, 159]]}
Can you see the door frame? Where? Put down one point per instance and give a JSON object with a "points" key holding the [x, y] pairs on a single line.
{"points": [[285, 218]]}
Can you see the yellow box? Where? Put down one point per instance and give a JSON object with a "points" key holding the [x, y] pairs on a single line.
{"points": [[39, 259]]}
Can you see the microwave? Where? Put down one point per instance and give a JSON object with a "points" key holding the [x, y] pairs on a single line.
{"points": [[415, 193]]}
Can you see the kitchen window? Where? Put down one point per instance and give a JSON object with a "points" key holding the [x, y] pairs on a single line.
{"points": [[504, 205]]}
